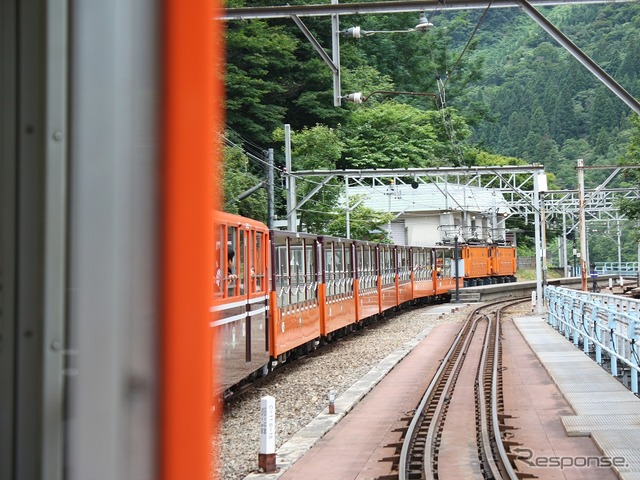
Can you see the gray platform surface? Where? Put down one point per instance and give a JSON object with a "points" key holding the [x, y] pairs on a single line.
{"points": [[606, 410]]}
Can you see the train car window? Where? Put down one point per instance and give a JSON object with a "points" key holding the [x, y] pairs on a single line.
{"points": [[258, 266], [281, 263], [231, 262], [310, 262], [420, 264], [448, 255], [329, 268], [339, 267], [297, 269], [219, 255], [348, 268], [404, 263], [386, 260], [241, 263], [290, 274], [367, 270]]}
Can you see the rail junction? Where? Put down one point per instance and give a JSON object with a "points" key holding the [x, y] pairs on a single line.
{"points": [[507, 394]]}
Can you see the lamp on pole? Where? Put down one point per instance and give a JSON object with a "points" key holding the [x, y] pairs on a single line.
{"points": [[424, 25], [358, 97]]}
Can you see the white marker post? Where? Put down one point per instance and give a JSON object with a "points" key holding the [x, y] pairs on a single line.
{"points": [[267, 456], [534, 301]]}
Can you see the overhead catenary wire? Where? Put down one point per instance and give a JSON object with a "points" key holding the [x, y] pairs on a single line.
{"points": [[442, 105]]}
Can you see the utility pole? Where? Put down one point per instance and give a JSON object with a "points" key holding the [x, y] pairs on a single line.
{"points": [[292, 223], [346, 195], [543, 228], [335, 47], [270, 195], [538, 241], [583, 226]]}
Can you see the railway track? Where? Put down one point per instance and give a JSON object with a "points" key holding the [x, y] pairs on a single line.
{"points": [[458, 429]]}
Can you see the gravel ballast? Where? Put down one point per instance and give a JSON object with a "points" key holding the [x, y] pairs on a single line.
{"points": [[301, 389]]}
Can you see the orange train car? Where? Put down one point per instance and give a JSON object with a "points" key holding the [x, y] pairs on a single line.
{"points": [[487, 264], [279, 294], [503, 262], [295, 306], [240, 297]]}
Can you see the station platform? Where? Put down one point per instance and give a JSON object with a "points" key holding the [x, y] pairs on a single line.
{"points": [[558, 396], [605, 410]]}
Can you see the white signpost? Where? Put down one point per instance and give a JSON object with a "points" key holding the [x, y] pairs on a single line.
{"points": [[267, 456]]}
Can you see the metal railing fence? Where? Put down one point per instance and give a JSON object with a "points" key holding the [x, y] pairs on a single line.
{"points": [[610, 324], [627, 269]]}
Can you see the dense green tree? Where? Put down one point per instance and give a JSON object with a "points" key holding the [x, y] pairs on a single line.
{"points": [[631, 208], [604, 114], [238, 179], [258, 59], [395, 135], [514, 93], [315, 148]]}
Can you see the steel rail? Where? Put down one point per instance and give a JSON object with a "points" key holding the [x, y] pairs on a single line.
{"points": [[431, 391], [438, 414], [491, 339], [436, 391], [428, 397], [507, 469]]}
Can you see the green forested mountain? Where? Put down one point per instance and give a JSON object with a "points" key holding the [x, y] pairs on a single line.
{"points": [[513, 96], [547, 108]]}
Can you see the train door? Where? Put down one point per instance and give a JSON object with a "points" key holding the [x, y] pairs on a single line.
{"points": [[240, 298], [230, 310], [295, 292], [388, 293], [403, 262], [444, 271], [340, 302], [423, 283], [367, 293]]}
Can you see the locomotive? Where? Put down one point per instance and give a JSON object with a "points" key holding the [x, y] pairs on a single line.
{"points": [[278, 294]]}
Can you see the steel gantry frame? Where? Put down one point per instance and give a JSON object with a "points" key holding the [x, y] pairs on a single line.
{"points": [[522, 186], [504, 178]]}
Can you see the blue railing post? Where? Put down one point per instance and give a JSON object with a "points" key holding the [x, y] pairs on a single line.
{"points": [[586, 329], [571, 329], [599, 334], [612, 344], [568, 314], [551, 311], [594, 317], [633, 337]]}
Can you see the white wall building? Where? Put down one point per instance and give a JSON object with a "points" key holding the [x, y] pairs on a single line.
{"points": [[436, 213]]}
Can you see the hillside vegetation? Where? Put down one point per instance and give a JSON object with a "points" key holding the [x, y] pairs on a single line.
{"points": [[514, 96]]}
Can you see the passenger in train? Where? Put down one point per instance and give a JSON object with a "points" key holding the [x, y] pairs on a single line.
{"points": [[230, 275], [230, 256]]}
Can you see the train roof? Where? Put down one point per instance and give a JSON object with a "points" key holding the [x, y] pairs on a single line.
{"points": [[237, 220]]}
